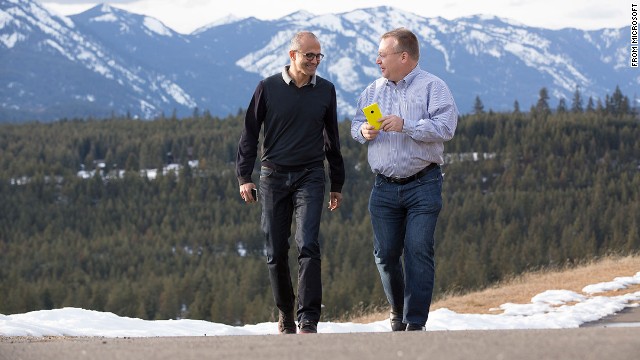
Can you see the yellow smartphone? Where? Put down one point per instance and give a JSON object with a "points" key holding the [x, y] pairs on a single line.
{"points": [[373, 114]]}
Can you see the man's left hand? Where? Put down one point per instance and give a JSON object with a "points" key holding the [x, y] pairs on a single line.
{"points": [[335, 200], [392, 123]]}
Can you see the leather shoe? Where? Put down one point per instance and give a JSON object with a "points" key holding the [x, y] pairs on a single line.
{"points": [[286, 323], [395, 317], [415, 327], [308, 327]]}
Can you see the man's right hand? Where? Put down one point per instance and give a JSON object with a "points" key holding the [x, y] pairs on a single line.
{"points": [[368, 131]]}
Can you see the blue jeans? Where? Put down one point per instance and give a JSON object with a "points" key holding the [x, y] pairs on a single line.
{"points": [[284, 195], [404, 221]]}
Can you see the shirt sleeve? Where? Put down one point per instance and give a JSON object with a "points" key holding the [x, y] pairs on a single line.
{"points": [[441, 119], [358, 118]]}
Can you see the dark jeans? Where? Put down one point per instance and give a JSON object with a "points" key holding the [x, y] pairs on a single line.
{"points": [[404, 221], [283, 195]]}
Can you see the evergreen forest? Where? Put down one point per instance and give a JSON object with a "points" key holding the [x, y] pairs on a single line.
{"points": [[522, 191]]}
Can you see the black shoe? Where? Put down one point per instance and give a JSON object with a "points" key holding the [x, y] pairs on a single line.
{"points": [[308, 327], [395, 317], [415, 327], [286, 323]]}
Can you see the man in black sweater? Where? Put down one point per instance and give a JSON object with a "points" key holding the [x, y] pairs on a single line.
{"points": [[298, 111]]}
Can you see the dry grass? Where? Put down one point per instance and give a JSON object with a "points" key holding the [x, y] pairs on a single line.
{"points": [[521, 289]]}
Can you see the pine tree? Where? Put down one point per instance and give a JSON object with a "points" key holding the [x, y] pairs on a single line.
{"points": [[516, 107], [617, 104], [542, 109], [478, 107], [562, 106], [590, 105], [576, 104]]}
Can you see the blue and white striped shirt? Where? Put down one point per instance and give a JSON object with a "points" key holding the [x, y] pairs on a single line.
{"points": [[430, 118]]}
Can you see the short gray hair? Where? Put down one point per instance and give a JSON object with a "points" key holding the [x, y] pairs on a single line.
{"points": [[295, 41]]}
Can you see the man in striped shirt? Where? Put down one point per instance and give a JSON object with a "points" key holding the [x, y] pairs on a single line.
{"points": [[419, 115]]}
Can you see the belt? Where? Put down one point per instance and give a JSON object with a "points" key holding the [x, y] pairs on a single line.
{"points": [[409, 179]]}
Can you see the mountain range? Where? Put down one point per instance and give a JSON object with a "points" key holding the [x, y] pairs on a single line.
{"points": [[107, 61]]}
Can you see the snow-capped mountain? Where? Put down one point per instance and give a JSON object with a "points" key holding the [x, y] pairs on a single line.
{"points": [[51, 68], [107, 60]]}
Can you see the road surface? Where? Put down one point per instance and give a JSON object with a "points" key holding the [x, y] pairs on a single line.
{"points": [[616, 337]]}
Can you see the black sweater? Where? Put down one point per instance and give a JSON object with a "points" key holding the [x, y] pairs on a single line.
{"points": [[300, 129]]}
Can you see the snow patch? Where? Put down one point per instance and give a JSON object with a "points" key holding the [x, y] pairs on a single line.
{"points": [[5, 18], [271, 58], [10, 40], [110, 17], [229, 19], [177, 93], [156, 26], [344, 70]]}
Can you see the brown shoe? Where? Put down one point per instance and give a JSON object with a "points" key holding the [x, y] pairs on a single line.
{"points": [[286, 323], [395, 317]]}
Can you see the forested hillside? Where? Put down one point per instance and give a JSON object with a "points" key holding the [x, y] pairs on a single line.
{"points": [[521, 191]]}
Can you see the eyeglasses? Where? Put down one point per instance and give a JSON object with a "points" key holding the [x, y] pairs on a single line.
{"points": [[383, 56], [310, 56]]}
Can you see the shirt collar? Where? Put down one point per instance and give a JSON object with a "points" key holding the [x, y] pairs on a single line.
{"points": [[287, 79], [409, 78]]}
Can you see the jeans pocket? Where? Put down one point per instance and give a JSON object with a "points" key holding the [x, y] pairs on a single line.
{"points": [[378, 181], [431, 177], [265, 171]]}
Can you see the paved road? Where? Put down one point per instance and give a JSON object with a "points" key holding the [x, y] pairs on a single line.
{"points": [[615, 337], [628, 317], [581, 343]]}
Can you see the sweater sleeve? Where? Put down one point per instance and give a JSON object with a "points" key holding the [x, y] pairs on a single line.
{"points": [[248, 143], [332, 146]]}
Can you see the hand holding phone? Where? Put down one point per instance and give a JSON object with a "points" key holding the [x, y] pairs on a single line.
{"points": [[373, 114]]}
